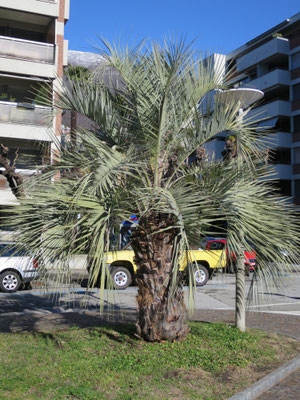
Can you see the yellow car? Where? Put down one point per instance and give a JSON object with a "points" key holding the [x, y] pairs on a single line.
{"points": [[204, 262]]}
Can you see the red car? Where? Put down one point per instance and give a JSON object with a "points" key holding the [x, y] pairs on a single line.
{"points": [[212, 243]]}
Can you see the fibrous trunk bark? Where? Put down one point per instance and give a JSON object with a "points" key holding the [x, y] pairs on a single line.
{"points": [[161, 311]]}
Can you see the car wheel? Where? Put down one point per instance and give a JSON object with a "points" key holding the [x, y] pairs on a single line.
{"points": [[121, 277], [10, 282], [201, 275]]}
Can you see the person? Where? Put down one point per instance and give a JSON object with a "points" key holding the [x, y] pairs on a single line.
{"points": [[229, 151], [126, 230]]}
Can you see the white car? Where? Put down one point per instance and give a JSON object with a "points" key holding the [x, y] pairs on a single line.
{"points": [[16, 268]]}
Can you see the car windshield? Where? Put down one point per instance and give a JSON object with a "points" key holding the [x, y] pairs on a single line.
{"points": [[9, 249], [203, 244]]}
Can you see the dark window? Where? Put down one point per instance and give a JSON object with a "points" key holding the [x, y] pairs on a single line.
{"points": [[283, 187], [26, 158], [216, 246], [296, 92], [22, 34], [297, 123], [280, 156], [297, 155], [7, 250], [297, 188], [203, 244], [283, 124]]}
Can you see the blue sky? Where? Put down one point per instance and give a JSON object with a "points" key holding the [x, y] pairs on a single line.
{"points": [[217, 25]]}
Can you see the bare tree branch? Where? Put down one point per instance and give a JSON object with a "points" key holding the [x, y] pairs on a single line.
{"points": [[14, 179]]}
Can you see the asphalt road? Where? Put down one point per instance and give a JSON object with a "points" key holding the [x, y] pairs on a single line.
{"points": [[217, 294]]}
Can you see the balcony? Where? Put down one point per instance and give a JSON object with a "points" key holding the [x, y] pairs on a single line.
{"points": [[273, 78], [282, 171], [20, 122], [267, 50], [42, 7], [279, 139], [24, 114], [27, 50], [272, 109]]}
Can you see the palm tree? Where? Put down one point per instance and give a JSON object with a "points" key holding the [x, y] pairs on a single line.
{"points": [[147, 159], [74, 73]]}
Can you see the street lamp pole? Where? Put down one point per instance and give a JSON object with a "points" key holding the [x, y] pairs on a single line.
{"points": [[245, 97]]}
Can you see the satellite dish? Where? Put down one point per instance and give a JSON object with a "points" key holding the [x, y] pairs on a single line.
{"points": [[245, 96]]}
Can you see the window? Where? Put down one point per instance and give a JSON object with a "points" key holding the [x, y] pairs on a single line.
{"points": [[296, 61], [296, 92], [283, 124], [283, 187], [297, 123], [26, 158], [216, 246], [297, 188], [280, 156], [8, 250], [203, 244], [297, 155], [22, 34]]}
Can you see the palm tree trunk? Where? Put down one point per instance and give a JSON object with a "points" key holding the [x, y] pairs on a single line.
{"points": [[161, 312]]}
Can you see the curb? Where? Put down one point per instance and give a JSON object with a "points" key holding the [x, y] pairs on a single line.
{"points": [[268, 381]]}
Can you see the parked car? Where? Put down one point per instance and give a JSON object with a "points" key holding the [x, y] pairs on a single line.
{"points": [[213, 243], [122, 267], [16, 267]]}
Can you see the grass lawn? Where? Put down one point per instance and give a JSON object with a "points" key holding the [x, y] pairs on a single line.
{"points": [[214, 362]]}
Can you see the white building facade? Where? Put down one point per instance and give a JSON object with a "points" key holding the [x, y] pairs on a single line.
{"points": [[32, 55], [271, 63]]}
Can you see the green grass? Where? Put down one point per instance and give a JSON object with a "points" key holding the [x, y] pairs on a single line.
{"points": [[109, 363]]}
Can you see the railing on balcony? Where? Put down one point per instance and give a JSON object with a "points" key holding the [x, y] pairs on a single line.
{"points": [[27, 50], [24, 114], [273, 47]]}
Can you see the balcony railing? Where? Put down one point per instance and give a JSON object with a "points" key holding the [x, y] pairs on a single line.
{"points": [[20, 114], [274, 108], [273, 47], [27, 50], [276, 77]]}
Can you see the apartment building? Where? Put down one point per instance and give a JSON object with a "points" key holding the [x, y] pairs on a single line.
{"points": [[32, 55], [271, 63]]}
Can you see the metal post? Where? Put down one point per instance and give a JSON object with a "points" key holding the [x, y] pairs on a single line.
{"points": [[240, 305], [240, 282]]}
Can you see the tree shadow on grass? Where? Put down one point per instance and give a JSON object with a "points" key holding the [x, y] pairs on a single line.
{"points": [[119, 333], [125, 333]]}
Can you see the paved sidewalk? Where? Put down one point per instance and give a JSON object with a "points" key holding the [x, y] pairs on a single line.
{"points": [[282, 324], [288, 325], [287, 389]]}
